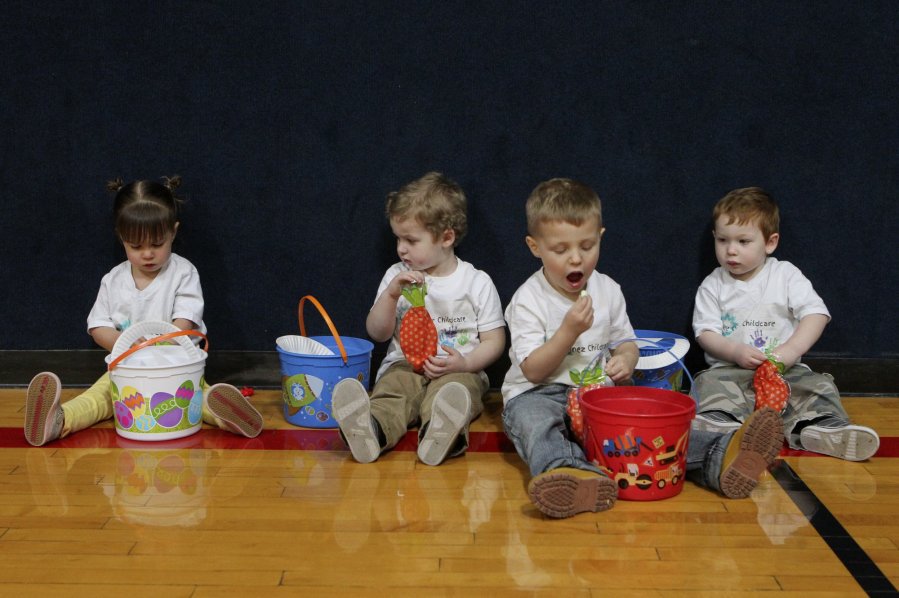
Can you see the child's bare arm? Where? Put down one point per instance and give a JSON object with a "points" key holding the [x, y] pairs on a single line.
{"points": [[183, 324], [105, 336], [620, 368], [803, 338], [543, 361], [745, 356], [381, 320]]}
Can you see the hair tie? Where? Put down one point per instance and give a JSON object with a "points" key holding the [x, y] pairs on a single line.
{"points": [[172, 183], [115, 185]]}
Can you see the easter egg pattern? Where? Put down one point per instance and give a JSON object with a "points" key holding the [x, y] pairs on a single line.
{"points": [[144, 423], [165, 410], [134, 400], [195, 411], [123, 415], [184, 394]]}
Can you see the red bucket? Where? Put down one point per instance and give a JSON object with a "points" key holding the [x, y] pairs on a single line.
{"points": [[639, 435]]}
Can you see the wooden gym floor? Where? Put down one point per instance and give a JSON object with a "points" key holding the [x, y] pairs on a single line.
{"points": [[290, 513]]}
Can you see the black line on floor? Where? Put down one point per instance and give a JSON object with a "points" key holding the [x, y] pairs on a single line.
{"points": [[854, 558]]}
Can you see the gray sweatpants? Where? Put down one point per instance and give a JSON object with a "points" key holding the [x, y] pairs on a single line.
{"points": [[729, 389]]}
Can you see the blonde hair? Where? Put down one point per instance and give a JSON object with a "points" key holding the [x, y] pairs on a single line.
{"points": [[145, 209], [562, 200], [749, 205], [434, 200]]}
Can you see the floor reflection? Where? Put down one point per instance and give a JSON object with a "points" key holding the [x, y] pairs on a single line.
{"points": [[160, 484]]}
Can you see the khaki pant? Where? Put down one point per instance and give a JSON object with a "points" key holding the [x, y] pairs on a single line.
{"points": [[401, 399]]}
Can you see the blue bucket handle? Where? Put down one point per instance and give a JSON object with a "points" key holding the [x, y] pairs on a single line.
{"points": [[642, 340]]}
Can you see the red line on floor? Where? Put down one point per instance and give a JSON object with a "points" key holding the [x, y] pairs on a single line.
{"points": [[303, 439]]}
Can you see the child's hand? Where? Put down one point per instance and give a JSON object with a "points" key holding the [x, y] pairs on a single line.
{"points": [[620, 368], [440, 365], [142, 339], [404, 279], [580, 316], [748, 357], [786, 355]]}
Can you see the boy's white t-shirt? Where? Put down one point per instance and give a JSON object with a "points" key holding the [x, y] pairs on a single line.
{"points": [[174, 293], [762, 311], [536, 312], [462, 305]]}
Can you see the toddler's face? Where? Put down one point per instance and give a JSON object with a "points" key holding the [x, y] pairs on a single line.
{"points": [[419, 250], [741, 249], [149, 256], [569, 253]]}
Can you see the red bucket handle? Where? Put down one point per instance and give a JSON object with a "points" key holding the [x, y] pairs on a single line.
{"points": [[157, 339], [327, 319]]}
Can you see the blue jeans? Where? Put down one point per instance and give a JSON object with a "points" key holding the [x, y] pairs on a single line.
{"points": [[537, 423]]}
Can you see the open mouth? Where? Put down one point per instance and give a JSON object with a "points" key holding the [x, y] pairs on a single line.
{"points": [[575, 277]]}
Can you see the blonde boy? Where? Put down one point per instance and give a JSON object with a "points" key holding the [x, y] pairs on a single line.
{"points": [[559, 320], [428, 218]]}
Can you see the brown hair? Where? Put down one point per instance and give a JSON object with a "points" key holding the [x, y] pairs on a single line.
{"points": [[562, 200], [145, 209], [749, 205], [434, 200]]}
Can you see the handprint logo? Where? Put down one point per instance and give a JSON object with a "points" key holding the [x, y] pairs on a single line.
{"points": [[758, 339]]}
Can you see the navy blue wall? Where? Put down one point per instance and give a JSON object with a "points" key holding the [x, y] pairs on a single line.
{"points": [[291, 121]]}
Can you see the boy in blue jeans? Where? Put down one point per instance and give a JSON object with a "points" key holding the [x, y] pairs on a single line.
{"points": [[752, 309], [559, 319]]}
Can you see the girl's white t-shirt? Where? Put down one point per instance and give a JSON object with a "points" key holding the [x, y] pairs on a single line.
{"points": [[174, 293]]}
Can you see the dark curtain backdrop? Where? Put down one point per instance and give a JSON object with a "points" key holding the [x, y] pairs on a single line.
{"points": [[291, 121]]}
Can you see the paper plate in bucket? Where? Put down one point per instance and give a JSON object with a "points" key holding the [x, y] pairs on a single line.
{"points": [[156, 388], [658, 365], [302, 345], [639, 435], [308, 380]]}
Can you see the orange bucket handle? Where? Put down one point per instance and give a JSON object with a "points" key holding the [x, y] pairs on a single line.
{"points": [[157, 339], [327, 319]]}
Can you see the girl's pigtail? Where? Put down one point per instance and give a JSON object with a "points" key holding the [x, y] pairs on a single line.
{"points": [[114, 186], [172, 183]]}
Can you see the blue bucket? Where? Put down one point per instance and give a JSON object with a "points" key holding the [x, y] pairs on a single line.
{"points": [[660, 363], [307, 381]]}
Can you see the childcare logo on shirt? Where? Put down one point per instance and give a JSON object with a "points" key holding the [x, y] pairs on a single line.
{"points": [[728, 324]]}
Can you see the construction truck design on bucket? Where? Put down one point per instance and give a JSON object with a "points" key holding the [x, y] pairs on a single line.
{"points": [[638, 435]]}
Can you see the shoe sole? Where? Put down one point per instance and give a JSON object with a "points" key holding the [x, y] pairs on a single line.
{"points": [[351, 407], [761, 443], [40, 400], [852, 443], [451, 412], [234, 410], [561, 495]]}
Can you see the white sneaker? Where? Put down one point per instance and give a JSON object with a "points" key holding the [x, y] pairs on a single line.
{"points": [[351, 408], [715, 422], [849, 442], [451, 411]]}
